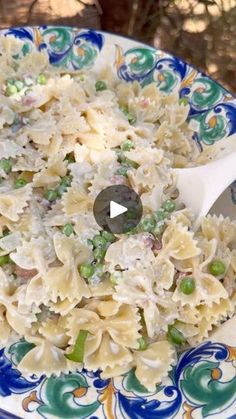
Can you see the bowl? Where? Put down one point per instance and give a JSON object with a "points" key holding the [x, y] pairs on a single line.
{"points": [[203, 382]]}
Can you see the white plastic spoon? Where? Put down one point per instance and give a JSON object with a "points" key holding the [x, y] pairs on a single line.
{"points": [[199, 187]]}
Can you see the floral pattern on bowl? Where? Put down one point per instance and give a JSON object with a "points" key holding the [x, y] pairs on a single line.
{"points": [[203, 383]]}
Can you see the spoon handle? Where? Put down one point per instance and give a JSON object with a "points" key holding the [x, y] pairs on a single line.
{"points": [[200, 186]]}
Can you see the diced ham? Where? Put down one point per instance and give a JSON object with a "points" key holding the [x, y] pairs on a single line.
{"points": [[25, 273]]}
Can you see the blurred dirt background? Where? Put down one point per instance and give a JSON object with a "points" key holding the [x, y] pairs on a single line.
{"points": [[199, 31]]}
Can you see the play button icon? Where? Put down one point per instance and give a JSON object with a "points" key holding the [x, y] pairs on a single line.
{"points": [[118, 209]]}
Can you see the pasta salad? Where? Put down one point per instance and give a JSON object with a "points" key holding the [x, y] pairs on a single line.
{"points": [[82, 296]]}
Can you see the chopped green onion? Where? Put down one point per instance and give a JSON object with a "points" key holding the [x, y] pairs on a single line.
{"points": [[70, 158], [6, 165], [66, 180], [64, 184], [217, 268], [127, 145], [20, 183], [86, 270], [77, 355], [169, 205], [100, 85], [19, 85], [68, 229], [187, 285], [175, 336], [4, 260], [11, 90], [143, 344], [5, 232], [183, 101], [109, 237], [51, 195], [130, 116], [41, 79], [99, 241], [99, 253]]}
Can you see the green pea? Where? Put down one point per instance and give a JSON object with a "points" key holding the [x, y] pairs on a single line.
{"points": [[143, 344], [122, 171], [41, 79], [20, 183], [11, 90], [128, 226], [175, 336], [19, 85], [86, 270], [100, 85], [4, 260], [127, 145], [130, 116], [99, 269], [148, 224], [109, 237], [169, 205], [99, 241], [161, 215], [51, 195], [187, 285], [99, 253], [217, 268], [6, 165], [68, 229], [159, 229]]}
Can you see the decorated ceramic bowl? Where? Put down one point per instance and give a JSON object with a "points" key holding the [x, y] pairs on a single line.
{"points": [[203, 383]]}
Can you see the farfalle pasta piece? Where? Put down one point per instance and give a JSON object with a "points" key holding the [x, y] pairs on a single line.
{"points": [[64, 281], [36, 292], [54, 331], [13, 202], [208, 289], [35, 254], [5, 328], [75, 201], [110, 336], [10, 242], [171, 138], [178, 242], [9, 148], [220, 228], [128, 251], [136, 285], [44, 358], [56, 168], [153, 364], [210, 317], [42, 130]]}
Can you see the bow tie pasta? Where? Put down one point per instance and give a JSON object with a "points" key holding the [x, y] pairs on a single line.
{"points": [[82, 296]]}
